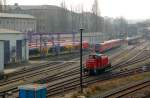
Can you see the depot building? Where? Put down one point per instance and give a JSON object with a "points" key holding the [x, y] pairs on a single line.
{"points": [[13, 48]]}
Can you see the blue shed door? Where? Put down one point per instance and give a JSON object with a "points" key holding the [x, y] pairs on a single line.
{"points": [[6, 52], [19, 49]]}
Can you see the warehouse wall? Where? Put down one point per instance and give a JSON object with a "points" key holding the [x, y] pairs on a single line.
{"points": [[13, 38], [1, 56], [22, 24]]}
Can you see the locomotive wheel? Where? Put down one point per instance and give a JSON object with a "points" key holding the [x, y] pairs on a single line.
{"points": [[91, 72], [95, 72]]}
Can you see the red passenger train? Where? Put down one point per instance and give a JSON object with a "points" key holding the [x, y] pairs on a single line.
{"points": [[107, 45]]}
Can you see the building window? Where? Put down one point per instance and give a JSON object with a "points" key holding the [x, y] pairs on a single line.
{"points": [[11, 21], [7, 21]]}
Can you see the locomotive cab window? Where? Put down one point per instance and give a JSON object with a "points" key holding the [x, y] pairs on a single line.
{"points": [[96, 56], [92, 56]]}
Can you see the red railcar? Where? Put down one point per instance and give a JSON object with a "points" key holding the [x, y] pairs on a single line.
{"points": [[101, 47], [97, 63], [85, 45]]}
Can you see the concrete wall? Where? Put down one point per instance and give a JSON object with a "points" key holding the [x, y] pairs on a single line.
{"points": [[1, 57], [25, 50]]}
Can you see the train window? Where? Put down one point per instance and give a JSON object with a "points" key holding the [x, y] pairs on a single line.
{"points": [[92, 56], [97, 46]]}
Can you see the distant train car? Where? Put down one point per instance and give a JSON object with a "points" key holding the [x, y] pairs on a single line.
{"points": [[85, 45], [133, 40], [96, 63], [34, 51], [68, 46], [107, 45], [34, 48], [76, 45], [45, 50]]}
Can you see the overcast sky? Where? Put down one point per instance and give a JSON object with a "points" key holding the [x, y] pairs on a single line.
{"points": [[130, 9]]}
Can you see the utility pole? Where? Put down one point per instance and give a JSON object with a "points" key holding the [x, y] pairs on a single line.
{"points": [[81, 68]]}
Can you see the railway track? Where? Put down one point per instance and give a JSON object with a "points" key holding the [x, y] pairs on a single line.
{"points": [[77, 70], [137, 59], [36, 67], [38, 71], [129, 54], [56, 75], [48, 79], [125, 73], [121, 54], [42, 65], [53, 76], [73, 82], [128, 89], [142, 55], [30, 70], [37, 75]]}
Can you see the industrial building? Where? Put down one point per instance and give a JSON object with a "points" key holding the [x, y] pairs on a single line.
{"points": [[13, 47], [18, 22], [55, 19]]}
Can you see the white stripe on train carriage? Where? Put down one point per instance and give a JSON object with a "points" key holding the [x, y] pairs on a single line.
{"points": [[63, 61]]}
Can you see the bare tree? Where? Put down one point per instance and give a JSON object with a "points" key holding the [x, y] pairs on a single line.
{"points": [[64, 17], [1, 5], [72, 18], [95, 8], [96, 14]]}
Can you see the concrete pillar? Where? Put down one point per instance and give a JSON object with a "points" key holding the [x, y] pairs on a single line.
{"points": [[1, 58]]}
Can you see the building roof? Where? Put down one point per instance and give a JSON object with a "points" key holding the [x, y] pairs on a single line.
{"points": [[27, 7], [8, 31], [11, 15]]}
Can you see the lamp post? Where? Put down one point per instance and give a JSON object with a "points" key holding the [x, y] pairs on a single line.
{"points": [[40, 46], [81, 86]]}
